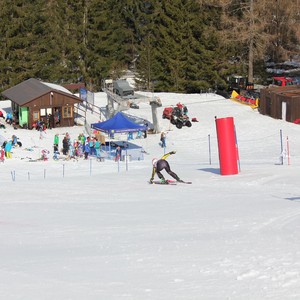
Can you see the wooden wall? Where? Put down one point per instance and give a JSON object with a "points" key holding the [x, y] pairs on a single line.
{"points": [[49, 103], [274, 100]]}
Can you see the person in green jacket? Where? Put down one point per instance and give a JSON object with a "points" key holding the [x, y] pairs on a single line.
{"points": [[97, 148], [56, 139]]}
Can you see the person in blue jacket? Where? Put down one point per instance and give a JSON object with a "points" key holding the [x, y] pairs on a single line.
{"points": [[9, 118], [7, 149], [14, 140], [87, 150]]}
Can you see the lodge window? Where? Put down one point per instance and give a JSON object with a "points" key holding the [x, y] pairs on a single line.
{"points": [[45, 112], [36, 115], [67, 112]]}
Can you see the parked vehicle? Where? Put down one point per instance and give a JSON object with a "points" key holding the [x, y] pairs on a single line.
{"points": [[282, 81], [176, 117], [238, 83], [133, 105]]}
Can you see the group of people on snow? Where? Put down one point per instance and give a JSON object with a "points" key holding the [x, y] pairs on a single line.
{"points": [[10, 118], [82, 147]]}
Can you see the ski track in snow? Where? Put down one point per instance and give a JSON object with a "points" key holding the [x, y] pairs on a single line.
{"points": [[279, 222]]}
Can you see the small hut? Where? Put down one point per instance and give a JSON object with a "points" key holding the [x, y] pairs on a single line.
{"points": [[35, 101], [281, 102]]}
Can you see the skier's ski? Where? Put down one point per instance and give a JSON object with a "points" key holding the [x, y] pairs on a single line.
{"points": [[182, 181], [163, 183]]}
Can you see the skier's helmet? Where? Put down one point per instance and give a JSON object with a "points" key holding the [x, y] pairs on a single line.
{"points": [[154, 162]]}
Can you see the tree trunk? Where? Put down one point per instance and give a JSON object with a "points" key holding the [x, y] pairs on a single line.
{"points": [[251, 44]]}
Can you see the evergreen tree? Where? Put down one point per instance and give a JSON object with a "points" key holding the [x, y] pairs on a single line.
{"points": [[144, 20], [110, 40], [183, 53], [38, 42], [255, 30], [15, 42], [173, 45]]}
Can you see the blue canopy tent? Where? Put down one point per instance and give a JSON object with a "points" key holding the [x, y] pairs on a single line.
{"points": [[119, 123]]}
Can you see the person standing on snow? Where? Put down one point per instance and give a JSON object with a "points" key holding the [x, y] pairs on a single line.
{"points": [[65, 144], [97, 148], [162, 164], [87, 150], [7, 149], [118, 153], [56, 139], [185, 110], [163, 138]]}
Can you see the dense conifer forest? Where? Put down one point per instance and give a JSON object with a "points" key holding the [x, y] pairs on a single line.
{"points": [[171, 45]]}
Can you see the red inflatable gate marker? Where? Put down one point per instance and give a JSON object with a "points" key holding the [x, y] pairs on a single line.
{"points": [[228, 152]]}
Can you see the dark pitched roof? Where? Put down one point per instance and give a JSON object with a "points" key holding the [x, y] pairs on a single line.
{"points": [[31, 89]]}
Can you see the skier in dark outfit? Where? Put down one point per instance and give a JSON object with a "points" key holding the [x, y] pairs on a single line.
{"points": [[162, 164]]}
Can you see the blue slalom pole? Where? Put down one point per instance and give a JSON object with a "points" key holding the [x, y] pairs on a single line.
{"points": [[237, 149]]}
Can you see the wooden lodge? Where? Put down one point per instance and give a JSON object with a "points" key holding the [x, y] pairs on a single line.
{"points": [[281, 102], [35, 101]]}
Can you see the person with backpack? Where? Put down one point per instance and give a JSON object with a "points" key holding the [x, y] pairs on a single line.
{"points": [[160, 165]]}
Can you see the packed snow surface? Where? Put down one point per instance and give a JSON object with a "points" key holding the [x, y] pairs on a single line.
{"points": [[98, 231]]}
